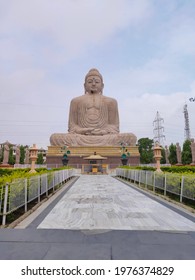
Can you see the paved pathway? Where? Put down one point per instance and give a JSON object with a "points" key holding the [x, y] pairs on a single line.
{"points": [[101, 218], [102, 202]]}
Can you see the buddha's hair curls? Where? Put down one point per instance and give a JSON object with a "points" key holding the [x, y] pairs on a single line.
{"points": [[93, 72]]}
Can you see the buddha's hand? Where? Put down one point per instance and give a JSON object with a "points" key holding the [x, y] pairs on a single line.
{"points": [[86, 131], [98, 131]]}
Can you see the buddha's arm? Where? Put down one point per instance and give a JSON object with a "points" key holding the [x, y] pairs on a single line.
{"points": [[73, 119], [113, 117]]}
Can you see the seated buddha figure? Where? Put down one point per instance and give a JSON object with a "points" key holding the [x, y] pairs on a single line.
{"points": [[93, 118]]}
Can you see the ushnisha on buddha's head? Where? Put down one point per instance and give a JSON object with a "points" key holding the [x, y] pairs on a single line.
{"points": [[93, 82]]}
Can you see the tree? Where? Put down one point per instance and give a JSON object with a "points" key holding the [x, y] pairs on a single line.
{"points": [[22, 154], [40, 159], [163, 159], [172, 154], [145, 146], [1, 153], [186, 152], [11, 159]]}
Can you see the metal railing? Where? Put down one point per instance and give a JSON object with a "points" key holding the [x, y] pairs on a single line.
{"points": [[21, 192], [29, 165], [181, 185]]}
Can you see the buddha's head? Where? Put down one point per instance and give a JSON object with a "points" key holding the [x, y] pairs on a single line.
{"points": [[93, 82]]}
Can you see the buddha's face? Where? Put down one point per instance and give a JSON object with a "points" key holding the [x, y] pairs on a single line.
{"points": [[93, 84]]}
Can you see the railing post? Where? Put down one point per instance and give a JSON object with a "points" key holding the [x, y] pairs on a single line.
{"points": [[154, 182], [39, 188], [181, 193], [62, 177], [5, 205], [134, 175], [130, 170], [165, 185], [47, 184], [146, 180], [54, 181], [26, 195]]}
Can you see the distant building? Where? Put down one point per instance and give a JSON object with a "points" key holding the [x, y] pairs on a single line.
{"points": [[6, 142]]}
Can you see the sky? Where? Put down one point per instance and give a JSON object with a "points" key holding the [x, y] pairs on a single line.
{"points": [[144, 49]]}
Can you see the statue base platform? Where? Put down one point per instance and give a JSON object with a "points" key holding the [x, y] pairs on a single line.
{"points": [[78, 153], [6, 165]]}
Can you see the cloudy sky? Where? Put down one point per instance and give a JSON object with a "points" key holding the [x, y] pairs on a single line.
{"points": [[145, 50]]}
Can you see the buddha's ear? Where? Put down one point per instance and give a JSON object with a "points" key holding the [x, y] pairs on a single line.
{"points": [[102, 88], [85, 88]]}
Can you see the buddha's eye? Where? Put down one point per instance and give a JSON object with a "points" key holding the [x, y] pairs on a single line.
{"points": [[93, 80]]}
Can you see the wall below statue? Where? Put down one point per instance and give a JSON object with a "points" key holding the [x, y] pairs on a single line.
{"points": [[77, 155]]}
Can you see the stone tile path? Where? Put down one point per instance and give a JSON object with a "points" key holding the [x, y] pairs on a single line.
{"points": [[99, 217], [104, 203]]}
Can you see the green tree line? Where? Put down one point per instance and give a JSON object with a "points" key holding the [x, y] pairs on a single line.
{"points": [[145, 146], [12, 158]]}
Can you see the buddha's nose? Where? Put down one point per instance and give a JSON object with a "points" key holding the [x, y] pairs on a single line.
{"points": [[93, 82]]}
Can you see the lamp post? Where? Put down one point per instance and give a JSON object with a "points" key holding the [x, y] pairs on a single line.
{"points": [[65, 155], [33, 157], [124, 154], [157, 156]]}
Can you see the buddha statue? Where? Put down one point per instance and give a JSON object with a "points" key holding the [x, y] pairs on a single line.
{"points": [[93, 118]]}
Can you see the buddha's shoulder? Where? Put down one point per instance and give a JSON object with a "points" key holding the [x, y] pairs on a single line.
{"points": [[84, 98], [78, 99], [109, 99]]}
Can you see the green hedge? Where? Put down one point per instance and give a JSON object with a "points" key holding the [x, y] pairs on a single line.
{"points": [[172, 169], [9, 175]]}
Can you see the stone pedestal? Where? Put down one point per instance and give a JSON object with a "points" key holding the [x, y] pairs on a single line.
{"points": [[124, 161], [4, 165], [77, 155], [65, 161], [157, 156], [33, 158]]}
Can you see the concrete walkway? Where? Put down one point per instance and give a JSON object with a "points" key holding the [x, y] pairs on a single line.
{"points": [[99, 217]]}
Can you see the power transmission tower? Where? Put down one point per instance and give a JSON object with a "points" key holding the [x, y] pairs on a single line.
{"points": [[158, 129], [187, 125]]}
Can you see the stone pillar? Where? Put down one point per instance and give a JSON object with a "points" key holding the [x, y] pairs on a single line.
{"points": [[193, 151], [157, 156], [26, 160], [167, 155], [17, 154], [6, 154], [178, 152], [33, 158]]}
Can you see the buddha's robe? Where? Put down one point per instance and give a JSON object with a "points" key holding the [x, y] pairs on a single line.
{"points": [[93, 121]]}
